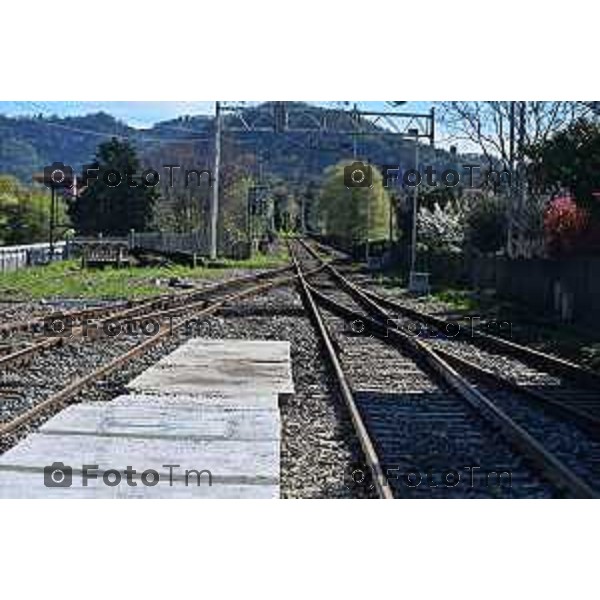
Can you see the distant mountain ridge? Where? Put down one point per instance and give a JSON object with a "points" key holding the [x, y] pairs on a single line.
{"points": [[27, 144]]}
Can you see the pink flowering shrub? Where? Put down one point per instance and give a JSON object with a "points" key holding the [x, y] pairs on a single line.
{"points": [[566, 227]]}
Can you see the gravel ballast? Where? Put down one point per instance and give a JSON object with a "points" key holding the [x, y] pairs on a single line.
{"points": [[319, 448]]}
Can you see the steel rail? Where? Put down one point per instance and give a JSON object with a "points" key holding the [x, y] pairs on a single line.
{"points": [[582, 417], [535, 357], [135, 306], [25, 355], [552, 467], [73, 388], [585, 419], [381, 484]]}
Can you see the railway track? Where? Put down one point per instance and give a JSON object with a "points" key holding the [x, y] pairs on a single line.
{"points": [[550, 381], [45, 396], [426, 406], [422, 409], [26, 339]]}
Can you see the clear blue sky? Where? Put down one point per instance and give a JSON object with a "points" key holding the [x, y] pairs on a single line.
{"points": [[146, 113]]}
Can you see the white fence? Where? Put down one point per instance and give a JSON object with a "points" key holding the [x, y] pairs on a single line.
{"points": [[19, 257]]}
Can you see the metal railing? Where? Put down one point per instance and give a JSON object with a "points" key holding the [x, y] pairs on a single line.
{"points": [[13, 258], [167, 242]]}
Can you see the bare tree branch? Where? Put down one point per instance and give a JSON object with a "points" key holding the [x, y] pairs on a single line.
{"points": [[487, 124]]}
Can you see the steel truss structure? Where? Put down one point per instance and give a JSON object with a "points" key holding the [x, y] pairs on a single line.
{"points": [[292, 117]]}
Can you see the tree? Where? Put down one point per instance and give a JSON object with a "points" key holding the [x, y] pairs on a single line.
{"points": [[233, 205], [486, 222], [441, 230], [355, 214], [286, 213], [114, 209], [309, 202], [487, 125], [185, 197], [181, 210], [25, 212], [569, 161]]}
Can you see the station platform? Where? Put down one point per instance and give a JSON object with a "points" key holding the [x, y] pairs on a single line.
{"points": [[201, 423]]}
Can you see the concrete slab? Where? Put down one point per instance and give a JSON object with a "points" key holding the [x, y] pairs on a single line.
{"points": [[220, 365], [241, 400], [189, 380], [211, 406], [268, 351], [198, 422], [231, 461], [20, 484]]}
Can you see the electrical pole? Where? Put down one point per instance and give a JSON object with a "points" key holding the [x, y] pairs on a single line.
{"points": [[511, 144], [249, 203], [214, 205], [52, 221], [354, 147], [513, 178], [521, 167], [413, 248], [391, 219], [303, 215]]}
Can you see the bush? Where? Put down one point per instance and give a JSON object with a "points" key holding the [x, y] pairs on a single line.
{"points": [[566, 227], [25, 213], [441, 230], [487, 223]]}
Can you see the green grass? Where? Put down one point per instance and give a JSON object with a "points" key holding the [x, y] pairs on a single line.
{"points": [[390, 279], [68, 280], [457, 299]]}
